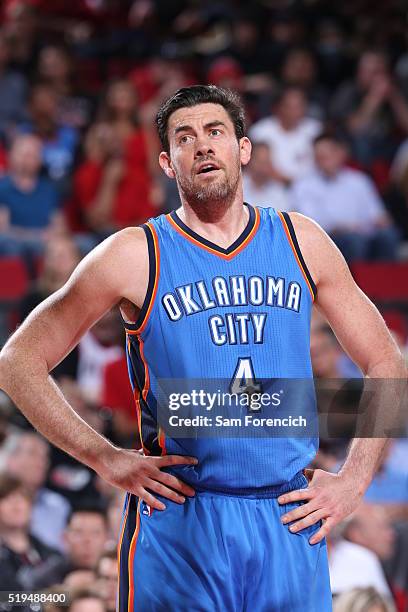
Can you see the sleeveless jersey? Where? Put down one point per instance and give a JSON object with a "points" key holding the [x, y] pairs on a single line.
{"points": [[222, 314]]}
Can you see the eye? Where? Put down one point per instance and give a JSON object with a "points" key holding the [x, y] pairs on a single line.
{"points": [[215, 132], [186, 139]]}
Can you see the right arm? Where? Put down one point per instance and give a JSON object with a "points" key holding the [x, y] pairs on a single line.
{"points": [[115, 270]]}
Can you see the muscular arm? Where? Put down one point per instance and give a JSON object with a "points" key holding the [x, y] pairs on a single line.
{"points": [[363, 334], [116, 270]]}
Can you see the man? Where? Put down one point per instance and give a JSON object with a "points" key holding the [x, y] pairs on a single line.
{"points": [[107, 572], [289, 135], [222, 546], [27, 458], [85, 537], [28, 202], [346, 204], [259, 188]]}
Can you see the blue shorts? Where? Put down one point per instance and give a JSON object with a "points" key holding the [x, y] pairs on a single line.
{"points": [[220, 552]]}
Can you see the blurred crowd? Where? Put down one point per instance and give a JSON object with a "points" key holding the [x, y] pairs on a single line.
{"points": [[325, 86]]}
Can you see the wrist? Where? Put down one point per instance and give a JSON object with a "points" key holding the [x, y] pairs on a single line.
{"points": [[101, 458], [359, 482]]}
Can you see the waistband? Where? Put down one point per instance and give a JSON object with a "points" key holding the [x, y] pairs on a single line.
{"points": [[298, 482]]}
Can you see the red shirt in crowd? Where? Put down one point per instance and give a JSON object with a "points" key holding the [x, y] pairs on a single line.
{"points": [[132, 204]]}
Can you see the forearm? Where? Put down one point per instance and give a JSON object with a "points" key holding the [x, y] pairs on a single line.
{"points": [[364, 115], [35, 393], [381, 413]]}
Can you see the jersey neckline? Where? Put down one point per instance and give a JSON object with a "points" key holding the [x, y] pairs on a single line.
{"points": [[236, 247]]}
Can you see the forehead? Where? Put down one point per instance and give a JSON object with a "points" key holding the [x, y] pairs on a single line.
{"points": [[196, 116]]}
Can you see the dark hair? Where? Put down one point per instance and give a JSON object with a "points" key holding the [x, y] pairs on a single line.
{"points": [[333, 138], [88, 507], [201, 94], [9, 484]]}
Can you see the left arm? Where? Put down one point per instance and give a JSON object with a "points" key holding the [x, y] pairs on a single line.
{"points": [[363, 334]]}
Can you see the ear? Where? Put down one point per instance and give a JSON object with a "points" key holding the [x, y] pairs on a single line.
{"points": [[245, 147], [165, 164]]}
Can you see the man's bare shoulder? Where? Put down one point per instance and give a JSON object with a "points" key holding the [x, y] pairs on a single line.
{"points": [[318, 249]]}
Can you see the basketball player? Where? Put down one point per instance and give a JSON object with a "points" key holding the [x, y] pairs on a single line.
{"points": [[216, 289]]}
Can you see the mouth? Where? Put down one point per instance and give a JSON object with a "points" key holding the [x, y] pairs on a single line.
{"points": [[207, 168]]}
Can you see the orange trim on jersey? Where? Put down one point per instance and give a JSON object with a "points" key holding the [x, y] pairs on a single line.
{"points": [[226, 256], [156, 283], [131, 596], [162, 441], [289, 237], [136, 393], [119, 548]]}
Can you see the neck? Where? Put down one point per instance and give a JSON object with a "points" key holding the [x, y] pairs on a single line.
{"points": [[24, 181], [17, 539], [222, 224]]}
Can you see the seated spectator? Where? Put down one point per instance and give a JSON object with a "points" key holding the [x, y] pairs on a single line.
{"points": [[299, 69], [59, 141], [346, 204], [363, 600], [98, 347], [27, 458], [113, 186], [55, 66], [107, 576], [20, 552], [372, 108], [260, 189], [28, 202], [117, 397], [85, 538], [13, 89], [86, 600], [355, 558], [289, 135]]}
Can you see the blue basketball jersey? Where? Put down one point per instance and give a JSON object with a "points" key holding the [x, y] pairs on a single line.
{"points": [[226, 314]]}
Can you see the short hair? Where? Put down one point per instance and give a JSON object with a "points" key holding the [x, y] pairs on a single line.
{"points": [[187, 97], [9, 484], [333, 138], [88, 507]]}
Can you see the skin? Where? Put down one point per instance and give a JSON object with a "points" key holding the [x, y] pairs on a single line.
{"points": [[57, 324]]}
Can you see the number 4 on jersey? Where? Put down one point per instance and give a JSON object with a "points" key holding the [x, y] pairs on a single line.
{"points": [[243, 380]]}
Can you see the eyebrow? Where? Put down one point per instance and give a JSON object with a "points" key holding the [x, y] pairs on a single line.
{"points": [[187, 128]]}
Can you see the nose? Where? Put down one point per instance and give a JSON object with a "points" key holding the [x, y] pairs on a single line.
{"points": [[203, 147]]}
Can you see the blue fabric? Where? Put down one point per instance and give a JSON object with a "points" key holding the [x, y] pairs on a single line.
{"points": [[227, 553], [186, 350], [31, 210], [58, 154]]}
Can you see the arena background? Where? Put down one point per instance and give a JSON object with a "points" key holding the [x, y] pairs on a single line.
{"points": [[80, 83]]}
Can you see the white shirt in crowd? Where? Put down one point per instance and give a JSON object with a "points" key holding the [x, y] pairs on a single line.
{"points": [[348, 201], [271, 193], [93, 358], [291, 151], [352, 566]]}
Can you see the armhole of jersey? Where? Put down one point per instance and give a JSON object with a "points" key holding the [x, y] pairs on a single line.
{"points": [[291, 236], [153, 250]]}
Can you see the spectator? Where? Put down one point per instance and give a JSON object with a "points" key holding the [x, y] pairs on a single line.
{"points": [[371, 106], [260, 189], [354, 559], [55, 66], [28, 202], [363, 600], [299, 69], [118, 398], [346, 204], [98, 347], [79, 579], [27, 458], [289, 135], [59, 141], [107, 574], [85, 538], [113, 186], [20, 552], [12, 90], [86, 600]]}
